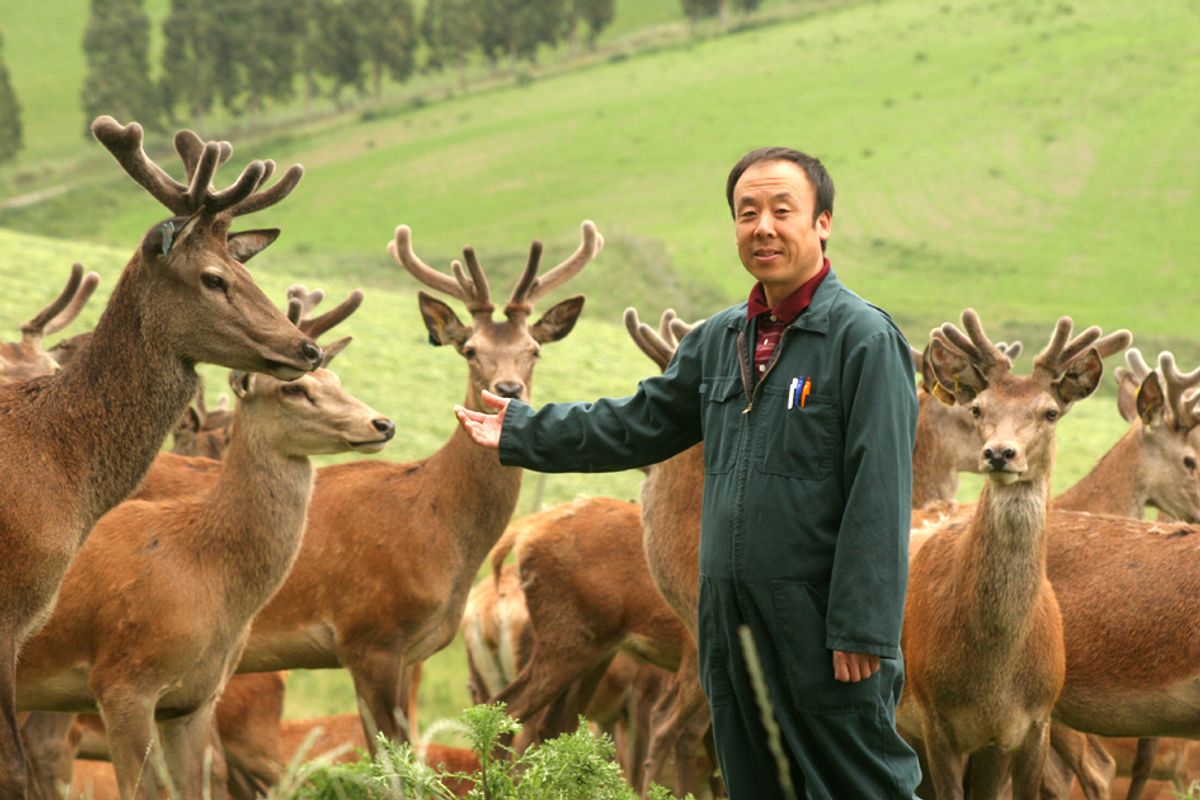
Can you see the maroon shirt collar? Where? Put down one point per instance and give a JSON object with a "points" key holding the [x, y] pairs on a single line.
{"points": [[792, 306]]}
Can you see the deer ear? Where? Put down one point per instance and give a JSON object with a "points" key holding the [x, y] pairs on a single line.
{"points": [[239, 382], [330, 350], [558, 321], [955, 378], [245, 245], [189, 422], [442, 323], [1127, 390], [1081, 378], [1151, 401]]}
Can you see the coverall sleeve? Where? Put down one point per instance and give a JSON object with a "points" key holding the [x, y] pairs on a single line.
{"points": [[870, 565], [659, 421]]}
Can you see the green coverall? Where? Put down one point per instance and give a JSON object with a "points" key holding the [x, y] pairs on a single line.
{"points": [[804, 534]]}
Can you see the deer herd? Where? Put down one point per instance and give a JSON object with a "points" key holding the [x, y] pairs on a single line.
{"points": [[168, 591]]}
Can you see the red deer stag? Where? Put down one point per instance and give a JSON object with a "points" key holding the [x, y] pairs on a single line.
{"points": [[28, 358], [983, 633], [153, 614], [411, 537], [74, 444]]}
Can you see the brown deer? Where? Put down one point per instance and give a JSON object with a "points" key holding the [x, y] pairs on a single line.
{"points": [[983, 633], [152, 616], [74, 444], [28, 358], [411, 537]]}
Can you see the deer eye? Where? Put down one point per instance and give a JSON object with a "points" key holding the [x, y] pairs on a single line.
{"points": [[468, 352], [293, 390], [1190, 463], [213, 281], [1051, 415], [975, 412]]}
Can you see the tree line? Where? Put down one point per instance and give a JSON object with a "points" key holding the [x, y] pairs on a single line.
{"points": [[244, 55]]}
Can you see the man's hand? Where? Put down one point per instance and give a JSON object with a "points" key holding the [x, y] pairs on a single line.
{"points": [[484, 429], [854, 667]]}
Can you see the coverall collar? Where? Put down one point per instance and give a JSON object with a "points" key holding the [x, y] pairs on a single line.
{"points": [[815, 318]]}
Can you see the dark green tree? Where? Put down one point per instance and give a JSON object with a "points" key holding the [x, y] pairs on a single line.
{"points": [[746, 6], [331, 48], [516, 28], [200, 49], [116, 48], [451, 30], [271, 33], [10, 113], [596, 14], [389, 38], [697, 9]]}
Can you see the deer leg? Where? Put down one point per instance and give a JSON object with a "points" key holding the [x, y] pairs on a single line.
{"points": [[48, 754], [12, 756], [563, 713], [673, 733], [133, 742], [1143, 764], [545, 675], [379, 682], [410, 688], [194, 754], [1086, 759], [945, 762], [1028, 763]]}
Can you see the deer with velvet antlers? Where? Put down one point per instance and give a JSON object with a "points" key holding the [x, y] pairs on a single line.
{"points": [[74, 444], [21, 361], [983, 634], [411, 537], [153, 614]]}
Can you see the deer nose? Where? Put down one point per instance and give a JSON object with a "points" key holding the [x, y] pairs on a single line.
{"points": [[384, 426], [311, 353], [509, 389], [999, 456]]}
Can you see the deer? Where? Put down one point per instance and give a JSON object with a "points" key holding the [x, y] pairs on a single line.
{"points": [[20, 361], [412, 536], [75, 443], [203, 432], [154, 612], [983, 632]]}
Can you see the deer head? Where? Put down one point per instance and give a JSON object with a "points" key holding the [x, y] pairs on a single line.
{"points": [[500, 355], [1169, 413], [313, 414], [1016, 416], [28, 358], [198, 296]]}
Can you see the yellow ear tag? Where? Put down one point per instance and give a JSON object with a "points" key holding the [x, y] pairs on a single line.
{"points": [[943, 394]]}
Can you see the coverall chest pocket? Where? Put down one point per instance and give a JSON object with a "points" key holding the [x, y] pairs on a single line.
{"points": [[800, 441], [719, 402]]}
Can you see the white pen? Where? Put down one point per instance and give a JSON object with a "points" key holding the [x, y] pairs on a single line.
{"points": [[792, 393]]}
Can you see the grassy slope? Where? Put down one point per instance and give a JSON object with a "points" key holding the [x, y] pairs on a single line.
{"points": [[1027, 162]]}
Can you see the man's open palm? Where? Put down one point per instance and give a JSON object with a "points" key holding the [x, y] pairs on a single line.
{"points": [[484, 429]]}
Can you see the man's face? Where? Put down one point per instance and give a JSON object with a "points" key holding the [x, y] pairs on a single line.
{"points": [[778, 240]]}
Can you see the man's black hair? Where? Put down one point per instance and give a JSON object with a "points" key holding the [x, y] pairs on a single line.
{"points": [[817, 176]]}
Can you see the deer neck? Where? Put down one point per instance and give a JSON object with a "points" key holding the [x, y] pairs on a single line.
{"points": [[479, 491], [1115, 486], [934, 479], [113, 405], [255, 514], [1005, 560]]}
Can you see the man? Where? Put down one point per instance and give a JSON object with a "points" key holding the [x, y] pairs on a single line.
{"points": [[804, 399]]}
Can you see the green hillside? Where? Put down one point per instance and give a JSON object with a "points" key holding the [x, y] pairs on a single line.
{"points": [[1027, 159]]}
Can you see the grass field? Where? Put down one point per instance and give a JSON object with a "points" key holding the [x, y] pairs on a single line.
{"points": [[1024, 158]]}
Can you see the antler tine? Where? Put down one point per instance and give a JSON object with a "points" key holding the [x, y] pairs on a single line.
{"points": [[125, 144], [1178, 384], [1138, 367], [241, 190], [257, 200], [974, 344], [592, 243], [36, 327], [317, 326], [1058, 353], [647, 340], [308, 300], [664, 327], [82, 295], [294, 310], [680, 329], [918, 358], [201, 175], [519, 301], [1010, 349], [477, 286], [190, 147], [401, 251], [1114, 342]]}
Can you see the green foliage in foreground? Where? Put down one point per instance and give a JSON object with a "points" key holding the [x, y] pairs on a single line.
{"points": [[574, 766]]}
